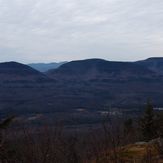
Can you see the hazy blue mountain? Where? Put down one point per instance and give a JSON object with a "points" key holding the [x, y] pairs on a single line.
{"points": [[43, 67]]}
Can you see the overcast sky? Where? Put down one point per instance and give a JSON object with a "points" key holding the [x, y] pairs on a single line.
{"points": [[59, 30]]}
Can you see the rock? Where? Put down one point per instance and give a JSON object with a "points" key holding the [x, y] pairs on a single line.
{"points": [[141, 143]]}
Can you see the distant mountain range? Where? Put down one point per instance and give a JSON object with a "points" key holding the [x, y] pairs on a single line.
{"points": [[43, 67], [91, 84]]}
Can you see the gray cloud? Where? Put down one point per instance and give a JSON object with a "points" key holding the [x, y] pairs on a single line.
{"points": [[48, 30]]}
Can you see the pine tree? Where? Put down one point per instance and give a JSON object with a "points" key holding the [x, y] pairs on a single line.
{"points": [[148, 123], [128, 126]]}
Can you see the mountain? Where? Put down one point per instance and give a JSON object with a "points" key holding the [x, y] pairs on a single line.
{"points": [[22, 89], [94, 83], [101, 69], [13, 71], [155, 64], [43, 67], [91, 85]]}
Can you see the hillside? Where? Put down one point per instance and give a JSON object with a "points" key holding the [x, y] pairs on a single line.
{"points": [[21, 88], [13, 71], [133, 153], [155, 64], [99, 69], [94, 83], [90, 85]]}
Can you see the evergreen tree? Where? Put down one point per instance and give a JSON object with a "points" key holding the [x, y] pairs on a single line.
{"points": [[148, 123], [128, 126]]}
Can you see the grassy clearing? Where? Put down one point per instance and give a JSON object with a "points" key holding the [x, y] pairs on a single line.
{"points": [[134, 153]]}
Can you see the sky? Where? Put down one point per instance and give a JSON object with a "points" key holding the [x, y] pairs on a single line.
{"points": [[64, 30]]}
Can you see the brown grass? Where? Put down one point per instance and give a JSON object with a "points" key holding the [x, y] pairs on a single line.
{"points": [[133, 153]]}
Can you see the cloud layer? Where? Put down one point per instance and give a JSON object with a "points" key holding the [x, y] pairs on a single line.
{"points": [[48, 30]]}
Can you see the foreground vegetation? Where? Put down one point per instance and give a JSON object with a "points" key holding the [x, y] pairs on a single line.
{"points": [[128, 140]]}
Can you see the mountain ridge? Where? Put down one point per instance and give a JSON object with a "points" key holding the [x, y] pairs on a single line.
{"points": [[14, 71], [154, 63], [89, 84], [93, 68]]}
